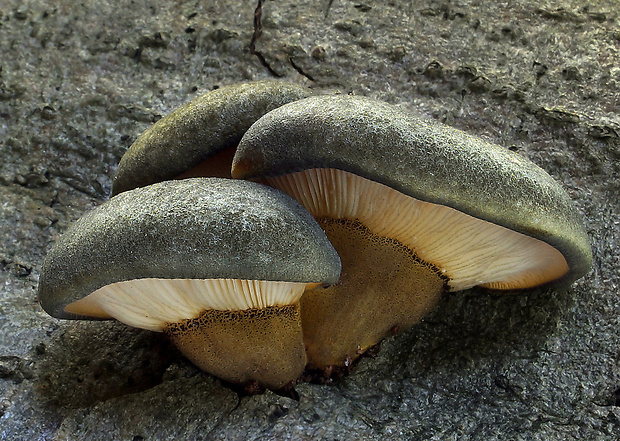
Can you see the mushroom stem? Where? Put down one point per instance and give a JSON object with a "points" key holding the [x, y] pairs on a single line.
{"points": [[242, 346], [383, 287]]}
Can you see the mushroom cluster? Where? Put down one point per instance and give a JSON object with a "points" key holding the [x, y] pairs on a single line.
{"points": [[267, 231]]}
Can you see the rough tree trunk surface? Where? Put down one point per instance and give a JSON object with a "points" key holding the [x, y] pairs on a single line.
{"points": [[79, 81]]}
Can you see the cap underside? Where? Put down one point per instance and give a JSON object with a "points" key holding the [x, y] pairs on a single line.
{"points": [[217, 165], [154, 303], [469, 251]]}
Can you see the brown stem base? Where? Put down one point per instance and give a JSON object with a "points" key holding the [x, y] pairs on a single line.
{"points": [[383, 287], [262, 346]]}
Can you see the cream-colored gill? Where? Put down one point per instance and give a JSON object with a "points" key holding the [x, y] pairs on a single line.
{"points": [[469, 251], [152, 303]]}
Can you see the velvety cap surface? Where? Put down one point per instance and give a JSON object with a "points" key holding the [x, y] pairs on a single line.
{"points": [[203, 228], [420, 158], [198, 129]]}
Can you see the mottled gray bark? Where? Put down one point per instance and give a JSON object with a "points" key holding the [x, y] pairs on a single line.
{"points": [[79, 81]]}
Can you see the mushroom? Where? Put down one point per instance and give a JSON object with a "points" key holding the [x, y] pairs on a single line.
{"points": [[414, 209], [219, 265], [208, 127]]}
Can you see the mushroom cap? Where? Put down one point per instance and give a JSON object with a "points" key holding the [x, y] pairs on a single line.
{"points": [[199, 129], [419, 158], [203, 228]]}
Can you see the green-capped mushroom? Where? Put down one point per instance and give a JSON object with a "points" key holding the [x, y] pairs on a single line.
{"points": [[199, 138], [414, 208], [219, 265]]}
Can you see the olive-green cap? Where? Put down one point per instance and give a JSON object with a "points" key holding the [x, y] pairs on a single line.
{"points": [[420, 158], [195, 131], [201, 228]]}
